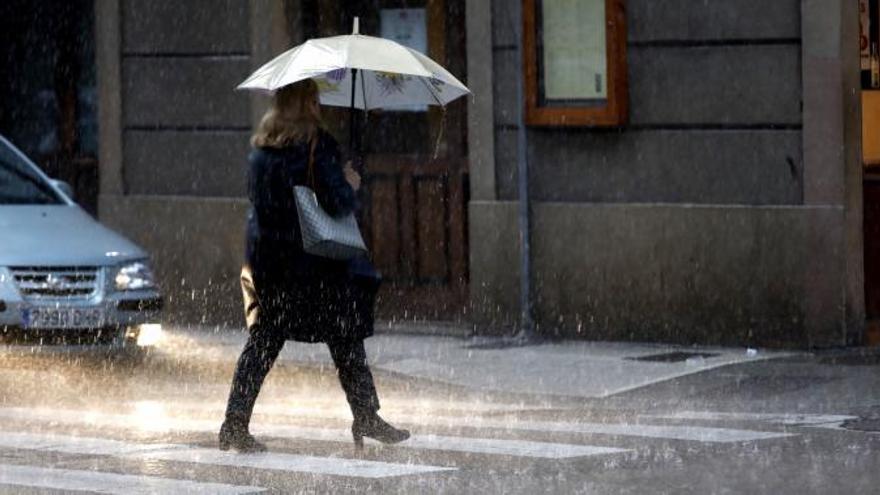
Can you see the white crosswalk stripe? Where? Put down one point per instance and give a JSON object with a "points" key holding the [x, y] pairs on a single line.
{"points": [[461, 444], [670, 432], [182, 453], [788, 419], [70, 480], [518, 448], [489, 446], [334, 466], [77, 445]]}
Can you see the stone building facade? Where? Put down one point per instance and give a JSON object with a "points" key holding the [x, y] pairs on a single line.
{"points": [[726, 210]]}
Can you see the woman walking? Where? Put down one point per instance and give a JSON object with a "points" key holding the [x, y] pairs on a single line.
{"points": [[290, 294]]}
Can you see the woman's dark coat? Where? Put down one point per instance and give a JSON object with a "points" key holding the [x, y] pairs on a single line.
{"points": [[309, 298]]}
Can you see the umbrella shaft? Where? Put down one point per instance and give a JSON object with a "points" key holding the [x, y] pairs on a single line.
{"points": [[353, 143]]}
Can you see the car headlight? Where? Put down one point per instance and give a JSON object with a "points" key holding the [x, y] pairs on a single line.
{"points": [[135, 276]]}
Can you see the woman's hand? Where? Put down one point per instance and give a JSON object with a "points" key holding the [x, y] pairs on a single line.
{"points": [[353, 178]]}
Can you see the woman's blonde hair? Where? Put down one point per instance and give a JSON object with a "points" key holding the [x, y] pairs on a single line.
{"points": [[291, 118]]}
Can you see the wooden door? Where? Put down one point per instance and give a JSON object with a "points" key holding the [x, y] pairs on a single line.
{"points": [[48, 110], [416, 227], [417, 189], [872, 247]]}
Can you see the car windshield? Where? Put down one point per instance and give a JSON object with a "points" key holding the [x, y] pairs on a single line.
{"points": [[19, 183]]}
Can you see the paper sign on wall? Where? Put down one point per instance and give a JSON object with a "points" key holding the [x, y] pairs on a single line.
{"points": [[407, 27], [575, 65]]}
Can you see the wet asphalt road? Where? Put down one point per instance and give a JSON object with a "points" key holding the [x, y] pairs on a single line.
{"points": [[90, 423]]}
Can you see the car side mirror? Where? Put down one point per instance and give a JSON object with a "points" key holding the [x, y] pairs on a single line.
{"points": [[64, 186]]}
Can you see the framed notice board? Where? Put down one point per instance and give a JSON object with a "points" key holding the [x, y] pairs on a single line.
{"points": [[575, 62]]}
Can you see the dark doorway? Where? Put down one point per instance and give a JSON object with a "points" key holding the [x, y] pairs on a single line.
{"points": [[872, 249], [48, 91], [416, 171], [871, 177]]}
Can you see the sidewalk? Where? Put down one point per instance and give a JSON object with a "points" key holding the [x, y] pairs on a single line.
{"points": [[568, 368]]}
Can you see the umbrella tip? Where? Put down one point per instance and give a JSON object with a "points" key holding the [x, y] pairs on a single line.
{"points": [[356, 26]]}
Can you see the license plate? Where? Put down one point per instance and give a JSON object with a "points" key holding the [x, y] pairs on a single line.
{"points": [[63, 317]]}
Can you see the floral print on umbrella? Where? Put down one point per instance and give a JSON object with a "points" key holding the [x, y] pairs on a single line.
{"points": [[391, 82], [337, 75], [437, 83], [331, 81]]}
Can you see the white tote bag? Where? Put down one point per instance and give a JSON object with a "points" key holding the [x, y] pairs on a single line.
{"points": [[323, 235]]}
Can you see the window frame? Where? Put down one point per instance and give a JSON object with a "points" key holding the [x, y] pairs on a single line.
{"points": [[614, 111]]}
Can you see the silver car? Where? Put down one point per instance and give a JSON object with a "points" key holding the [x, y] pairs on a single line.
{"points": [[65, 279]]}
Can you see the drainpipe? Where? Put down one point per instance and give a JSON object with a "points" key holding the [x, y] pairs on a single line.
{"points": [[526, 333]]}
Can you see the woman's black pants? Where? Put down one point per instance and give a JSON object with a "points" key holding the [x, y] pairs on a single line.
{"points": [[259, 355]]}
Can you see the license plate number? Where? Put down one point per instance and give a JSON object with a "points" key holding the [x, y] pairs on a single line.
{"points": [[63, 318]]}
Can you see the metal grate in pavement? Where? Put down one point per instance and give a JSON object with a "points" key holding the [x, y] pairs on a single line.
{"points": [[674, 357]]}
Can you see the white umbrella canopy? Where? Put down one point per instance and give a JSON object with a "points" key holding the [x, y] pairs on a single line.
{"points": [[388, 74]]}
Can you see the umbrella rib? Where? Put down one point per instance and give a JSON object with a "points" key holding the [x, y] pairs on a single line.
{"points": [[279, 76], [294, 56], [428, 87], [364, 88]]}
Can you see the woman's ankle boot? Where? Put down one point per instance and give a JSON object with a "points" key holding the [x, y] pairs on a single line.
{"points": [[372, 426], [234, 435]]}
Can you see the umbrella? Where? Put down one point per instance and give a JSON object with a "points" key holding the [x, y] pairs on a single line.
{"points": [[361, 72]]}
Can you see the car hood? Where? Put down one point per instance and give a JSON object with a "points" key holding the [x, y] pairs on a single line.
{"points": [[59, 236]]}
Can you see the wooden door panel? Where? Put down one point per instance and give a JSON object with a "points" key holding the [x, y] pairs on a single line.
{"points": [[458, 241], [432, 225], [384, 237], [416, 225]]}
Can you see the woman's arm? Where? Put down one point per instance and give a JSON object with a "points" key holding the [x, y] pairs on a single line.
{"points": [[334, 192]]}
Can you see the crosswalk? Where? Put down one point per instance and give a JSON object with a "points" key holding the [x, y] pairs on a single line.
{"points": [[182, 453], [71, 480], [494, 437], [519, 448]]}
